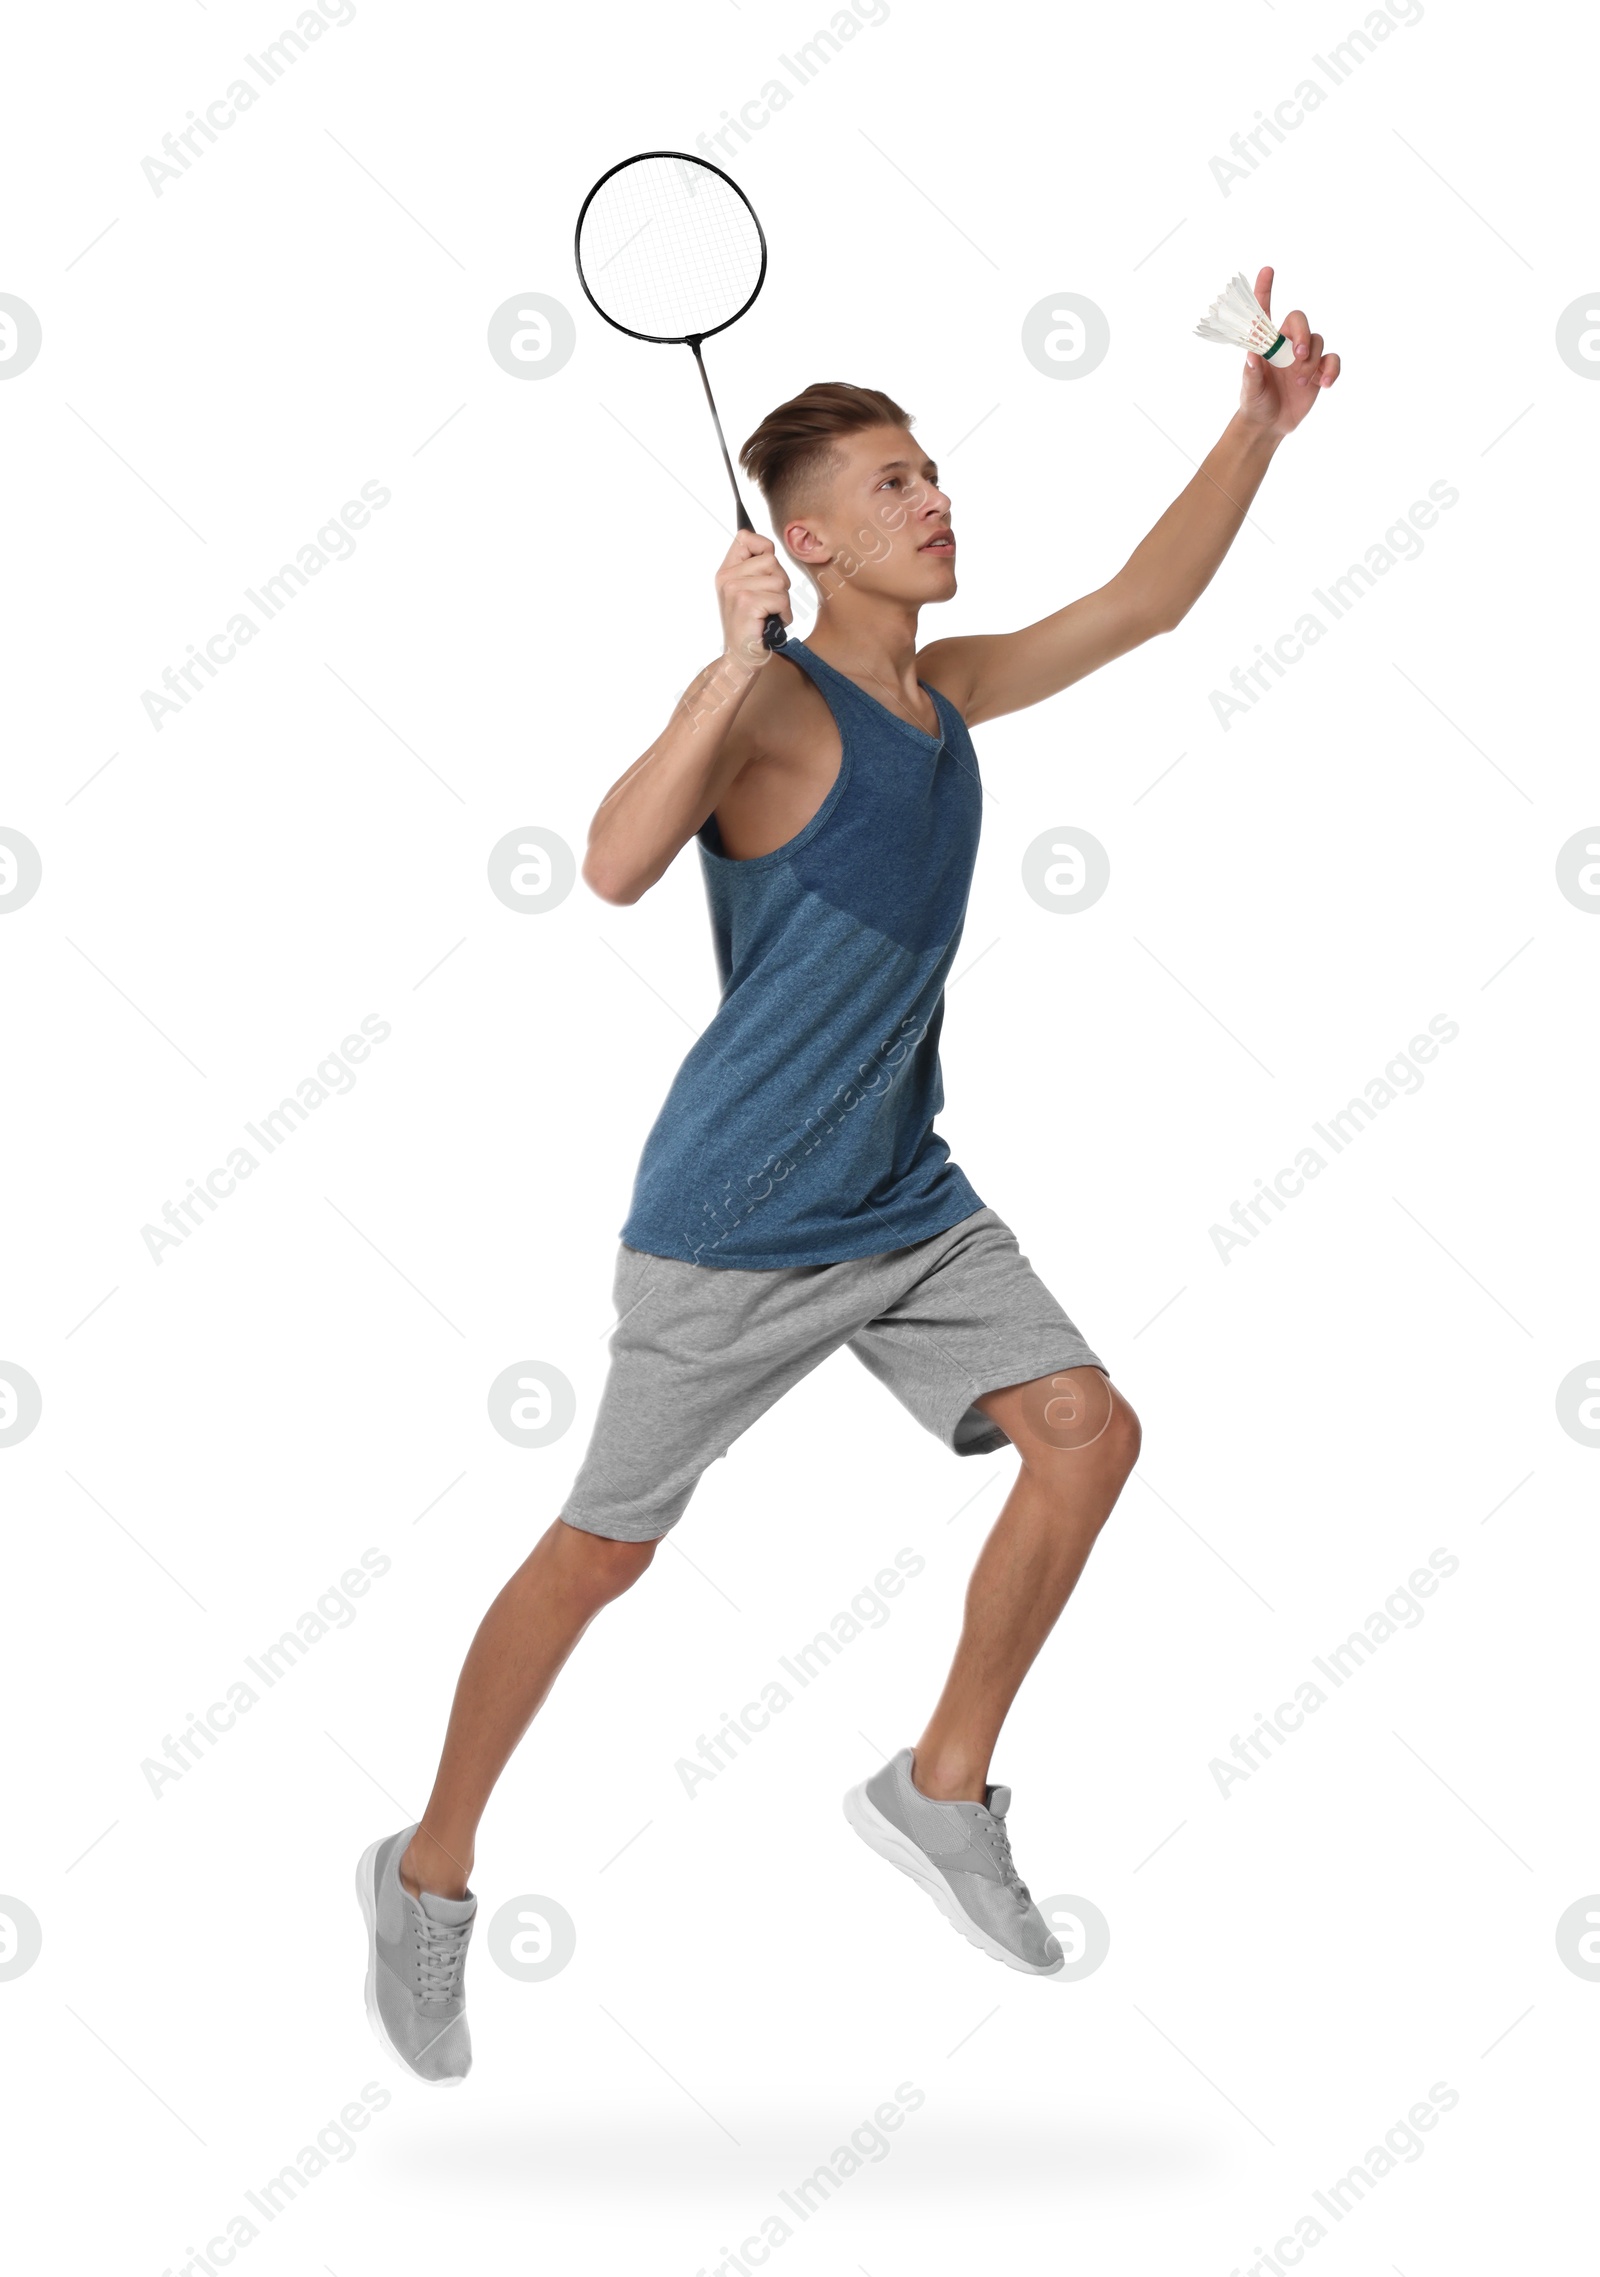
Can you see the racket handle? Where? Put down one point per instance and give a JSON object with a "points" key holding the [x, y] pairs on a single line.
{"points": [[772, 632]]}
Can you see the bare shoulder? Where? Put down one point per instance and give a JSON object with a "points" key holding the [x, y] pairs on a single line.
{"points": [[782, 718]]}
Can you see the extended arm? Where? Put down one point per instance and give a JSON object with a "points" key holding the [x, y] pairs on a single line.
{"points": [[987, 674]]}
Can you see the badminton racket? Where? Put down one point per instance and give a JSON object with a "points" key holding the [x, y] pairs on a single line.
{"points": [[669, 249]]}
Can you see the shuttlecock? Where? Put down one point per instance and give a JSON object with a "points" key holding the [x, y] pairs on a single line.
{"points": [[1238, 320]]}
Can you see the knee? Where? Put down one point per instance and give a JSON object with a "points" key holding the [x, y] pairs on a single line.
{"points": [[1112, 1450], [1125, 1435], [1079, 1430], [600, 1566]]}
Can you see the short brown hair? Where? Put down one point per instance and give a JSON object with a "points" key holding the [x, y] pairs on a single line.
{"points": [[794, 444]]}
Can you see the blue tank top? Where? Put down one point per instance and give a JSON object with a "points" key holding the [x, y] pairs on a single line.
{"points": [[799, 1129]]}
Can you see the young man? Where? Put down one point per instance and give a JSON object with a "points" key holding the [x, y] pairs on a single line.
{"points": [[792, 1196]]}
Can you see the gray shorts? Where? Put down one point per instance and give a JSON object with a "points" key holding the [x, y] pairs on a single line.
{"points": [[700, 1351]]}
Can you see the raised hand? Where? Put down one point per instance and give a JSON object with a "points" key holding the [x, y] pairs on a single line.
{"points": [[751, 586], [1276, 401]]}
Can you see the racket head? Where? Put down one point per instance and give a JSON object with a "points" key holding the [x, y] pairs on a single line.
{"points": [[668, 247]]}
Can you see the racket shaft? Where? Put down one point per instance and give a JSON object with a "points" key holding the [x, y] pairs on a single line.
{"points": [[772, 632]]}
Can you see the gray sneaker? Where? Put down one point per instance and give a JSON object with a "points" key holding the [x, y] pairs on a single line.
{"points": [[961, 1855], [415, 1957]]}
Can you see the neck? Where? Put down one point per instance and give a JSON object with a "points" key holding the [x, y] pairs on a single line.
{"points": [[870, 634]]}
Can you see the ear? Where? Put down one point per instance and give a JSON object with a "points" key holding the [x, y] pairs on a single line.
{"points": [[804, 543]]}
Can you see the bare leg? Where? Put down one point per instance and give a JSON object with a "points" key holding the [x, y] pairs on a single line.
{"points": [[1078, 1439], [521, 1644]]}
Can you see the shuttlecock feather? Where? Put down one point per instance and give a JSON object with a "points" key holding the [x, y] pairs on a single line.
{"points": [[1238, 320]]}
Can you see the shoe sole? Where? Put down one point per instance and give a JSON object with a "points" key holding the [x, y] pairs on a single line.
{"points": [[881, 1835], [367, 1899]]}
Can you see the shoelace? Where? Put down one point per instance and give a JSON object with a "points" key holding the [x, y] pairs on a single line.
{"points": [[1006, 1863], [441, 1949]]}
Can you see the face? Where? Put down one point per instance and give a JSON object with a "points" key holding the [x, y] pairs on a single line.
{"points": [[880, 522]]}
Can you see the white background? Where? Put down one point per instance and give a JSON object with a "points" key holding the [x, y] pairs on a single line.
{"points": [[1292, 1966]]}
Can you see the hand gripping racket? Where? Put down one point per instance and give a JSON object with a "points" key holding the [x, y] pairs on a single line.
{"points": [[669, 249]]}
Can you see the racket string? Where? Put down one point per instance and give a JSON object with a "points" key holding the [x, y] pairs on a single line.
{"points": [[670, 249]]}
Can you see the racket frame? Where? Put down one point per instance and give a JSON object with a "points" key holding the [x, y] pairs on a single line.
{"points": [[669, 339]]}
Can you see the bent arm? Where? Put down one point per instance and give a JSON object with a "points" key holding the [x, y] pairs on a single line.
{"points": [[987, 674], [650, 813], [653, 810]]}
